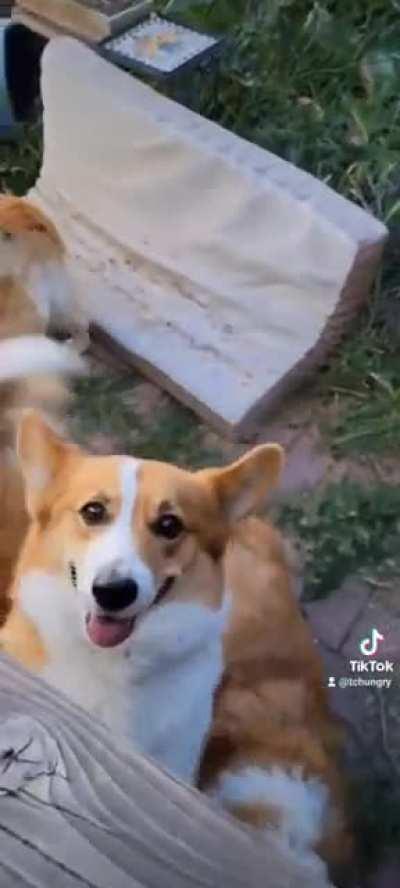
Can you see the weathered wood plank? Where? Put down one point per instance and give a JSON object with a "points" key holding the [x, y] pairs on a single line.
{"points": [[80, 808], [91, 20], [225, 273]]}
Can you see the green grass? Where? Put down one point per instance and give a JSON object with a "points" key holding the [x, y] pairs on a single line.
{"points": [[20, 162], [171, 433], [344, 528], [364, 384], [315, 82]]}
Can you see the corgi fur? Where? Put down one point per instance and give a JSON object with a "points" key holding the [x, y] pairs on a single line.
{"points": [[36, 297], [152, 597]]}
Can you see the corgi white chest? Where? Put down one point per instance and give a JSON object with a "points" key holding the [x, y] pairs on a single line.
{"points": [[177, 663], [157, 688]]}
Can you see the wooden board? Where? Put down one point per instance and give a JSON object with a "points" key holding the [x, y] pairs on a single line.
{"points": [[226, 273], [91, 20], [79, 808]]}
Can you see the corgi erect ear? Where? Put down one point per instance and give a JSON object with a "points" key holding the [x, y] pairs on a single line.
{"points": [[42, 454], [241, 488]]}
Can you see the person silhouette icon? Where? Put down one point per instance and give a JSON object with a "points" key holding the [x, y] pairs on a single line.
{"points": [[332, 682]]}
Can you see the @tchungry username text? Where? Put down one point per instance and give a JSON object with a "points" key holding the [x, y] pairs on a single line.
{"points": [[347, 682]]}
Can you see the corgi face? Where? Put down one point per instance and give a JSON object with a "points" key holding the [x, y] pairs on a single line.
{"points": [[125, 534], [26, 236]]}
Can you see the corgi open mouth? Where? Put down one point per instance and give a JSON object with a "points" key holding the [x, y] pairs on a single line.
{"points": [[107, 631]]}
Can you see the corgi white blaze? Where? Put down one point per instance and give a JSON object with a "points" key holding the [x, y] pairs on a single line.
{"points": [[114, 548]]}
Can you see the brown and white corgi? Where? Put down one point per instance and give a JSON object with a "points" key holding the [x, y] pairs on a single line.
{"points": [[145, 593], [36, 291], [36, 297]]}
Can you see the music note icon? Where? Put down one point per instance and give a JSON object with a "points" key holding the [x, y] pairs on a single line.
{"points": [[369, 645]]}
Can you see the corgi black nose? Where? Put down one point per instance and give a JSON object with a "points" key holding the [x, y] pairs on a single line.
{"points": [[116, 594]]}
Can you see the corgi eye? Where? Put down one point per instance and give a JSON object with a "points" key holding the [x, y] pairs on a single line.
{"points": [[168, 526], [93, 513], [6, 235]]}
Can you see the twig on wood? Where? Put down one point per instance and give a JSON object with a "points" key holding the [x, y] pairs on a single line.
{"points": [[9, 756]]}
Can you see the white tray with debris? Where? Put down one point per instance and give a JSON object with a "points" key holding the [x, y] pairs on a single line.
{"points": [[223, 271]]}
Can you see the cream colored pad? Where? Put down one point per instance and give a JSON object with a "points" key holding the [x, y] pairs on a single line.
{"points": [[214, 263]]}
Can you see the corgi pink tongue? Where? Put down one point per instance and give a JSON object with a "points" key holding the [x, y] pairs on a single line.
{"points": [[106, 632]]}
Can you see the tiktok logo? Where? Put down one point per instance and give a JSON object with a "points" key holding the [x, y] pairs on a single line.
{"points": [[369, 645]]}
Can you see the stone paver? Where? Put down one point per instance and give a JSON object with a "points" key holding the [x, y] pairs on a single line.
{"points": [[306, 464], [386, 876], [332, 618], [308, 460]]}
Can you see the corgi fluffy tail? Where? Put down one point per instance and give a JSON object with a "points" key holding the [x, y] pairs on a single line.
{"points": [[27, 356]]}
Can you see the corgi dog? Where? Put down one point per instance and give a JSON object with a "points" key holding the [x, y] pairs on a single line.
{"points": [[36, 292], [149, 595], [36, 298], [21, 358]]}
